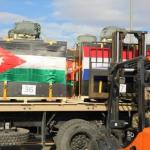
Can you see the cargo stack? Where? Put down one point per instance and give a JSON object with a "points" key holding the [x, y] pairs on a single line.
{"points": [[33, 68]]}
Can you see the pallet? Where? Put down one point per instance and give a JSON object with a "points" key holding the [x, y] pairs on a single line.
{"points": [[75, 99], [32, 99]]}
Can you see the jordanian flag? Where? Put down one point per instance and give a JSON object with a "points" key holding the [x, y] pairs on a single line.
{"points": [[31, 68]]}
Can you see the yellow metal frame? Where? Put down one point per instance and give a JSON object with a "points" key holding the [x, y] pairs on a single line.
{"points": [[50, 94], [5, 90], [100, 86]]}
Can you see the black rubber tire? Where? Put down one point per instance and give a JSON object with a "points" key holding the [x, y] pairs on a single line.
{"points": [[63, 128], [93, 145], [14, 138], [106, 143], [74, 130]]}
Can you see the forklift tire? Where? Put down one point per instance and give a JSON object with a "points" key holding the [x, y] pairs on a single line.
{"points": [[75, 134], [13, 137], [106, 143]]}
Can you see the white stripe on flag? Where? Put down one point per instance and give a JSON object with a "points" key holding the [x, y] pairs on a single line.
{"points": [[95, 65], [43, 62], [101, 63]]}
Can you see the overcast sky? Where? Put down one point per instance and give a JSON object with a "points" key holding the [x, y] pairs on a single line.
{"points": [[66, 19]]}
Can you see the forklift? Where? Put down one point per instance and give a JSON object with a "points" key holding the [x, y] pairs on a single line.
{"points": [[132, 133]]}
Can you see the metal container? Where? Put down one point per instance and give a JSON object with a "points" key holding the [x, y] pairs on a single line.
{"points": [[86, 38], [106, 33]]}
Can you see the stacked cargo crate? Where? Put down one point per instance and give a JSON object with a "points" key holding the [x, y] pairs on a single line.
{"points": [[40, 71]]}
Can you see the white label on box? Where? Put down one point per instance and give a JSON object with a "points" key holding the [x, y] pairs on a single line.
{"points": [[28, 89], [122, 88]]}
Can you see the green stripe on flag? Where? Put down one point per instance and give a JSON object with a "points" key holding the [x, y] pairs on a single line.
{"points": [[34, 75]]}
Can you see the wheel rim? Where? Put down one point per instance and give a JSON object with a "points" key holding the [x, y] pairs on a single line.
{"points": [[80, 141]]}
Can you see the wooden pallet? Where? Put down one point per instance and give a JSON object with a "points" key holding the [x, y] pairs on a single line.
{"points": [[32, 99]]}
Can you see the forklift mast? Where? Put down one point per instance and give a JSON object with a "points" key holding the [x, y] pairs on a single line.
{"points": [[137, 68], [118, 42], [103, 55]]}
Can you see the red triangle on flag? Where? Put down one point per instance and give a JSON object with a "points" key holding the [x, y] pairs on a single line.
{"points": [[8, 60]]}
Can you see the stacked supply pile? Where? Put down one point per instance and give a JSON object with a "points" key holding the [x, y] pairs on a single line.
{"points": [[33, 68]]}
